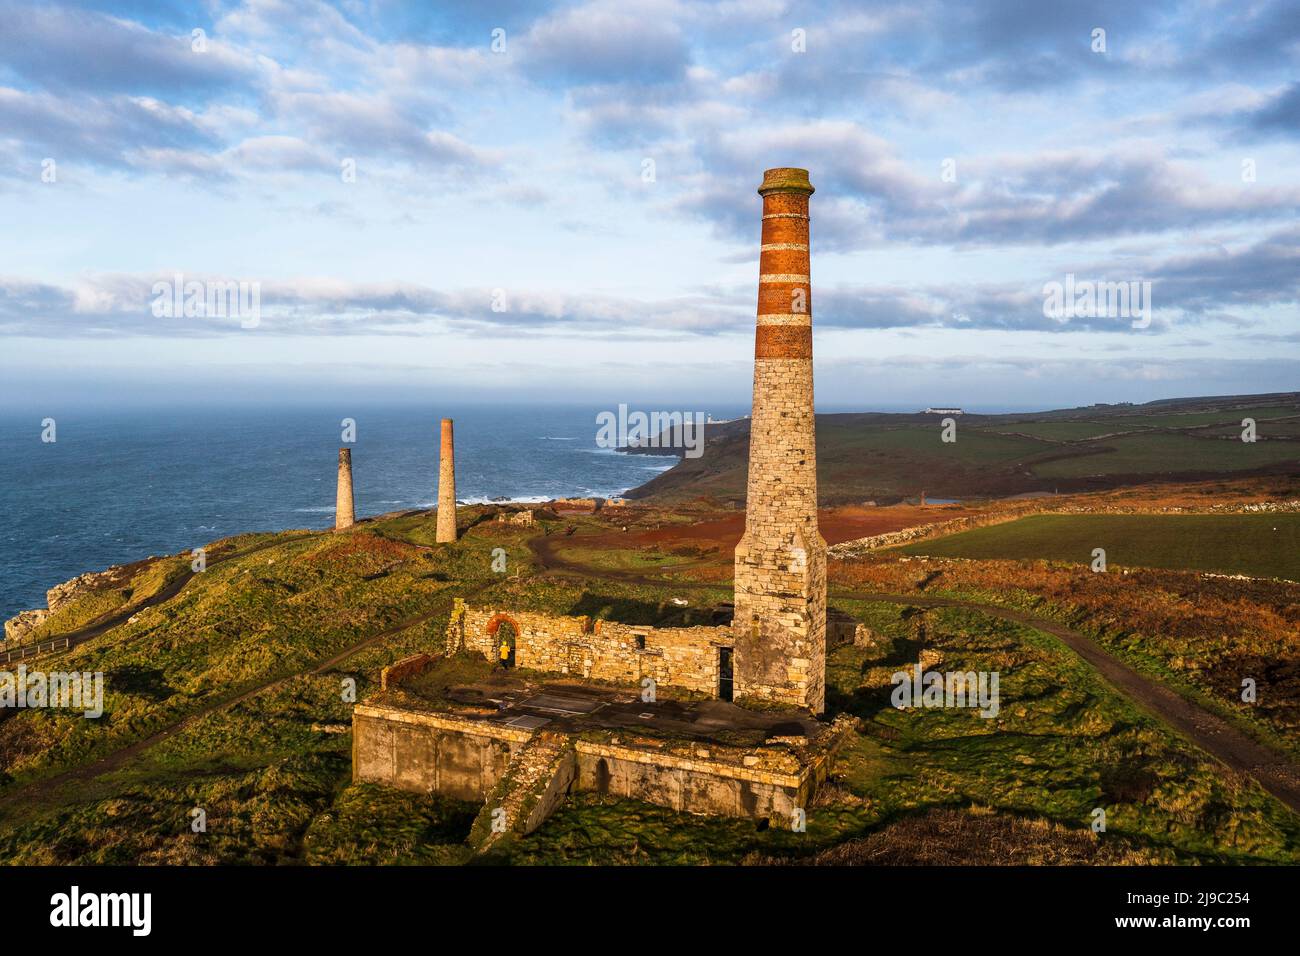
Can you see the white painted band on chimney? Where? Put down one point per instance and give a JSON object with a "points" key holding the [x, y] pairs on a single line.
{"points": [[785, 318]]}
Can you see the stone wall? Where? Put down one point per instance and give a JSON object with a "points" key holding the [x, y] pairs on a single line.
{"points": [[684, 657], [468, 759], [691, 785], [406, 668], [430, 753], [540, 775], [937, 529], [577, 505]]}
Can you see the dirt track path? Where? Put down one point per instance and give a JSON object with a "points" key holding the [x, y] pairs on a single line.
{"points": [[1276, 772]]}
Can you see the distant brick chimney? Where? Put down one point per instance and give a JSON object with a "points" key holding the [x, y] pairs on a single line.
{"points": [[446, 486], [780, 600], [344, 516]]}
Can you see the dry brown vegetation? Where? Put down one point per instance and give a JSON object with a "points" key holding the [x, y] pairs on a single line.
{"points": [[971, 838], [1206, 632]]}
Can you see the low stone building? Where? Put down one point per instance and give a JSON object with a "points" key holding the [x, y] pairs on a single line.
{"points": [[521, 747]]}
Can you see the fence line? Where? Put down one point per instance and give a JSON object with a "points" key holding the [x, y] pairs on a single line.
{"points": [[31, 650]]}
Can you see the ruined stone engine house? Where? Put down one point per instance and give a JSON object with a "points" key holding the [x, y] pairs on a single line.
{"points": [[531, 747], [775, 648]]}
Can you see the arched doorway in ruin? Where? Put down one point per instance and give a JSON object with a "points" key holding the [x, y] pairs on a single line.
{"points": [[501, 628]]}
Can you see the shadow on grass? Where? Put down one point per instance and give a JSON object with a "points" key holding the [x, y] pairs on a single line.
{"points": [[636, 611]]}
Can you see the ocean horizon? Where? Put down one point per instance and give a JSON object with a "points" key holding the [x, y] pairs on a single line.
{"points": [[125, 482], [118, 485]]}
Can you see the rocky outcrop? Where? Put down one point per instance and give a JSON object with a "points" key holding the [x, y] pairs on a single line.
{"points": [[61, 594], [57, 597], [24, 622]]}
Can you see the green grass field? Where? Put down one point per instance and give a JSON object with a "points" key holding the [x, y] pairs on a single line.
{"points": [[1169, 453], [1264, 545], [885, 457], [1227, 416], [1058, 431]]}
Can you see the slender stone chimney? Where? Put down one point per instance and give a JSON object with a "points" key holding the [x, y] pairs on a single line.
{"points": [[780, 618], [344, 517], [446, 486]]}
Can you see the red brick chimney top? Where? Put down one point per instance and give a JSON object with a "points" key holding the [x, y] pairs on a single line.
{"points": [[785, 179]]}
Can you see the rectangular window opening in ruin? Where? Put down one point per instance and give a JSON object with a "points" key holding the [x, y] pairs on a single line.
{"points": [[724, 674]]}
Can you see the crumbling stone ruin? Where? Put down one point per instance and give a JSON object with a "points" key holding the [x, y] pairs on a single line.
{"points": [[486, 741], [344, 515], [446, 532], [524, 519], [522, 762], [577, 506], [686, 657]]}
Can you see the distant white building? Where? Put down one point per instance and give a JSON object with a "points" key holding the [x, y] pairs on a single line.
{"points": [[943, 411]]}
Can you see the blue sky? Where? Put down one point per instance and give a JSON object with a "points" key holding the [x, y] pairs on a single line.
{"points": [[518, 173]]}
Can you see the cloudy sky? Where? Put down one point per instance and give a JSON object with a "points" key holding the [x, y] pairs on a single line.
{"points": [[556, 201]]}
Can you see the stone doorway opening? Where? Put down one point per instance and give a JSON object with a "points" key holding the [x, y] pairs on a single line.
{"points": [[724, 674], [503, 630]]}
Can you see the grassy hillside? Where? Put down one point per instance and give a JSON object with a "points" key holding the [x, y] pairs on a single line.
{"points": [[227, 698], [1260, 545], [886, 457]]}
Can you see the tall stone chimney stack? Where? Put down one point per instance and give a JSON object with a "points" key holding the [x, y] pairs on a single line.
{"points": [[344, 516], [446, 486], [780, 618]]}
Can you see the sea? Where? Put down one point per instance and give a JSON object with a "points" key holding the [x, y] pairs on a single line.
{"points": [[119, 485]]}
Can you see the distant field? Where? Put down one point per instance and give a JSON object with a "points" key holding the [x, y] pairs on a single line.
{"points": [[971, 446], [1258, 545], [1229, 422], [1205, 418], [1169, 453], [887, 457], [1265, 429], [1060, 431]]}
